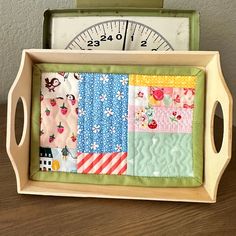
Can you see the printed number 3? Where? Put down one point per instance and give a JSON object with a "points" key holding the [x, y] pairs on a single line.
{"points": [[95, 43]]}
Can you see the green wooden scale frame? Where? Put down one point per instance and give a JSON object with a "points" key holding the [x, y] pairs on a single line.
{"points": [[121, 28]]}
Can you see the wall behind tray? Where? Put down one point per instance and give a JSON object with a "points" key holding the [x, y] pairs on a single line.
{"points": [[21, 27], [218, 32]]}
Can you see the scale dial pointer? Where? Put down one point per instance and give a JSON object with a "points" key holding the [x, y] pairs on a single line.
{"points": [[126, 28]]}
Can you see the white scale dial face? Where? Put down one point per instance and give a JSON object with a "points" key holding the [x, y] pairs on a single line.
{"points": [[120, 33]]}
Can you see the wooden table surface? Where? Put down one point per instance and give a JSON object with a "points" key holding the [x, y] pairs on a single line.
{"points": [[42, 215]]}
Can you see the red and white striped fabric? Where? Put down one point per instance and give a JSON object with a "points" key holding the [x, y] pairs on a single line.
{"points": [[102, 163]]}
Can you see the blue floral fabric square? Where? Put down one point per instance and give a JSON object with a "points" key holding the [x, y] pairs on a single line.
{"points": [[102, 113]]}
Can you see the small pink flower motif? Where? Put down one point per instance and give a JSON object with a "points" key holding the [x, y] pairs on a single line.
{"points": [[143, 118], [175, 117], [124, 117], [104, 79], [188, 106], [96, 129], [168, 91], [108, 112], [179, 117], [81, 112], [118, 148], [140, 94], [124, 81], [177, 99], [94, 146], [158, 94], [119, 95], [103, 97], [78, 130], [192, 90], [112, 130]]}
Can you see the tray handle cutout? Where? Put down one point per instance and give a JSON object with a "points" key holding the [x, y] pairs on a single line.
{"points": [[218, 127], [217, 93], [21, 89], [16, 141], [224, 99]]}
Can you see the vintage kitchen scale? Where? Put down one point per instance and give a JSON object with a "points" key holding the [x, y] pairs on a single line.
{"points": [[140, 29], [105, 122]]}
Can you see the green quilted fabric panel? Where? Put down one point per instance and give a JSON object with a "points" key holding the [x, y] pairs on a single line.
{"points": [[160, 154]]}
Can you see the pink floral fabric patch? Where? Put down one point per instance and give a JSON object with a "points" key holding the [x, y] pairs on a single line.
{"points": [[156, 109], [160, 119], [172, 97]]}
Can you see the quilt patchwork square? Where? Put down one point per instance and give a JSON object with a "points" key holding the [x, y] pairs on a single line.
{"points": [[102, 163], [59, 85], [102, 114], [58, 123], [58, 159], [160, 154], [152, 119]]}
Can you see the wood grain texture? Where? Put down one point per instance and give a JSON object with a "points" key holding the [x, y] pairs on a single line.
{"points": [[42, 215]]}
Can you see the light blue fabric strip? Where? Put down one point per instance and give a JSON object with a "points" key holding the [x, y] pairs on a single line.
{"points": [[103, 111]]}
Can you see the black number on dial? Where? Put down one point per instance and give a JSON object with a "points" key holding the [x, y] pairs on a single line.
{"points": [[143, 43], [110, 38], [118, 36], [95, 43], [104, 38]]}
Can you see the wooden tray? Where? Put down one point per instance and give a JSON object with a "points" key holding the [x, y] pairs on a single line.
{"points": [[216, 92]]}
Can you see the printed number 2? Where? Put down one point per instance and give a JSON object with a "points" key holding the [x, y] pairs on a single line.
{"points": [[143, 43], [95, 43]]}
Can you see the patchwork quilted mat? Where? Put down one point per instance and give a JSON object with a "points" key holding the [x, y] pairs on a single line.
{"points": [[119, 125]]}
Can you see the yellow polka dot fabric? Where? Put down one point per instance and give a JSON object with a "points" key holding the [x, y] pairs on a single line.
{"points": [[163, 81]]}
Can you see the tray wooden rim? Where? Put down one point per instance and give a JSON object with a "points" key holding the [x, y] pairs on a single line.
{"points": [[215, 163]]}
